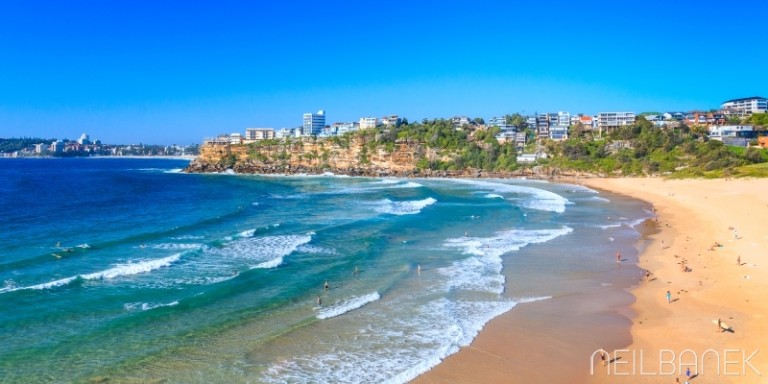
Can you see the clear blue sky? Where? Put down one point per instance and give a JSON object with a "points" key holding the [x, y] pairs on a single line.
{"points": [[170, 72]]}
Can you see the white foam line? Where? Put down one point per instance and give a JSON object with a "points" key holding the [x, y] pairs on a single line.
{"points": [[347, 305], [118, 270], [541, 199], [524, 300], [274, 263], [401, 208], [147, 306]]}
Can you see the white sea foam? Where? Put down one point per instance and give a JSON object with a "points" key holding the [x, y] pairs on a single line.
{"points": [[482, 272], [524, 300], [83, 246], [147, 306], [187, 237], [248, 233], [598, 198], [409, 334], [345, 306], [403, 207], [379, 185], [399, 349], [267, 251], [581, 189], [316, 250], [174, 170], [538, 199], [132, 268], [494, 196], [274, 263], [174, 246]]}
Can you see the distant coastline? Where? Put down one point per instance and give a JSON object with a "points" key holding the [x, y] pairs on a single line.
{"points": [[188, 157]]}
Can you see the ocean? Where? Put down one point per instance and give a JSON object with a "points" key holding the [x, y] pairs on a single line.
{"points": [[132, 271]]}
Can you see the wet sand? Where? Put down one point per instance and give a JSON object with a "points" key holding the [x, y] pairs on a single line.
{"points": [[553, 341]]}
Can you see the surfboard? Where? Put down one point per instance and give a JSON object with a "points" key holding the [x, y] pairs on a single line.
{"points": [[723, 325]]}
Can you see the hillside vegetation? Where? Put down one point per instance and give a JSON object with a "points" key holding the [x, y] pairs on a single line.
{"points": [[437, 147]]}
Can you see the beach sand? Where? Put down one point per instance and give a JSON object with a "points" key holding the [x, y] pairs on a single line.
{"points": [[552, 341]]}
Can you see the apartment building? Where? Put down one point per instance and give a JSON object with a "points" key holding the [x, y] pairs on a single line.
{"points": [[368, 122], [610, 120], [256, 134], [745, 106]]}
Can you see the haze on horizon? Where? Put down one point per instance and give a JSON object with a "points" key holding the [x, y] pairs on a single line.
{"points": [[128, 72]]}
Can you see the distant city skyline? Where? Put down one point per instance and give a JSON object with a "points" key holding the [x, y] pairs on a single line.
{"points": [[173, 74]]}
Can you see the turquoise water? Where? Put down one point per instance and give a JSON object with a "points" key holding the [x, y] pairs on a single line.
{"points": [[131, 270]]}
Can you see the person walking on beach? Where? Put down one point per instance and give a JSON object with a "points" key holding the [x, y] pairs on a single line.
{"points": [[738, 260], [647, 276], [618, 257], [604, 356], [669, 297]]}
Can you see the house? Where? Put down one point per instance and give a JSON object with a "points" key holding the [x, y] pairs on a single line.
{"points": [[391, 120], [679, 116], [531, 157], [720, 132], [460, 121], [500, 122]]}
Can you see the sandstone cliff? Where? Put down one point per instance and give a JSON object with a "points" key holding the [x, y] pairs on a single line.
{"points": [[354, 157]]}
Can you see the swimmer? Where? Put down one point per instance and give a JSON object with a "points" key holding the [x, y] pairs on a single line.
{"points": [[356, 271], [326, 286]]}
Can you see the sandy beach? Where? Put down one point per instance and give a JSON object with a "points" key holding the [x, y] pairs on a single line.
{"points": [[704, 228]]}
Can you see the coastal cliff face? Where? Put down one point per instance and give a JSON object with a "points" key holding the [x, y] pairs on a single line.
{"points": [[352, 157]]}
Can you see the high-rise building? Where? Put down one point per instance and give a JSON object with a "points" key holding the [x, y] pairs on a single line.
{"points": [[84, 139], [313, 123]]}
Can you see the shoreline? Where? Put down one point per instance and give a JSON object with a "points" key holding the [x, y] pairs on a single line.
{"points": [[543, 341], [691, 216], [705, 283]]}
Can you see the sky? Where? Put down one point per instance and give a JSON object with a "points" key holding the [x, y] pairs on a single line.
{"points": [[175, 72]]}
